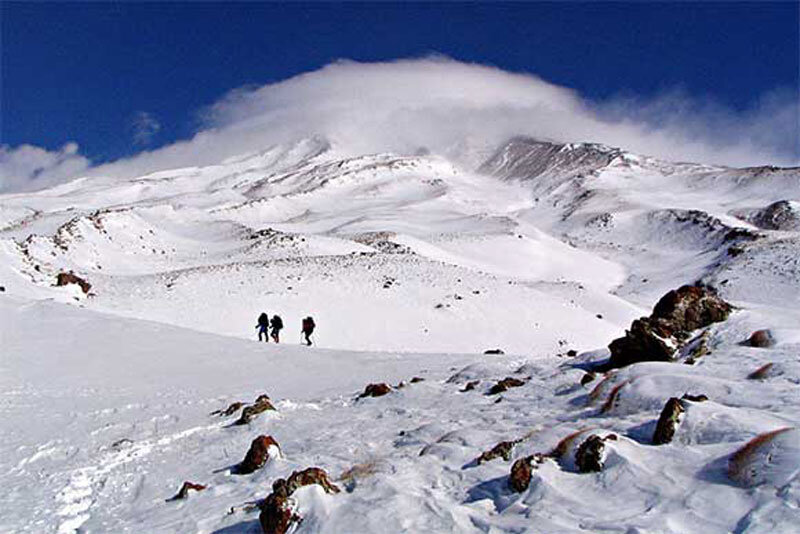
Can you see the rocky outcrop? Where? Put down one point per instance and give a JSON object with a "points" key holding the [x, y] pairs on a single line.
{"points": [[668, 421], [64, 279], [588, 378], [261, 449], [674, 317], [184, 491], [494, 351], [376, 390], [262, 404], [505, 384], [781, 215], [761, 339], [277, 513]]}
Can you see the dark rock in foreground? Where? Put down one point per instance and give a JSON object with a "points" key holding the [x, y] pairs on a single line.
{"points": [[674, 317]]}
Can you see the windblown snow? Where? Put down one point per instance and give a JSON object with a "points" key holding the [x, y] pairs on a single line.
{"points": [[412, 266]]}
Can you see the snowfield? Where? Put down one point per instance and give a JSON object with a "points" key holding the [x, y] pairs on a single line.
{"points": [[412, 267]]}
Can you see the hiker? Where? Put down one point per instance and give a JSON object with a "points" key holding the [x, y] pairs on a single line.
{"points": [[308, 329], [263, 326], [277, 325]]}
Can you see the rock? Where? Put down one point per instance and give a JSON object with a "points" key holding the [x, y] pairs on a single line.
{"points": [[416, 379], [494, 351], [688, 308], [761, 373], [770, 458], [505, 384], [781, 215], [694, 398], [668, 421], [376, 390], [470, 385], [230, 410], [589, 456], [587, 378], [258, 454], [522, 471], [311, 475], [501, 450], [572, 353], [2, 289], [64, 279], [277, 515], [674, 317], [184, 491], [761, 339], [261, 405]]}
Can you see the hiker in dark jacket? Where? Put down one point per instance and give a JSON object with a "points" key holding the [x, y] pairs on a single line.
{"points": [[308, 329], [277, 325], [263, 327]]}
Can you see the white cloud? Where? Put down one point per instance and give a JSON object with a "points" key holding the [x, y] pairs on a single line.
{"points": [[438, 103], [145, 127], [28, 167]]}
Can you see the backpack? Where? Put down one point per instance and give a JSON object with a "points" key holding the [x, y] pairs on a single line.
{"points": [[263, 320], [308, 324], [277, 322]]}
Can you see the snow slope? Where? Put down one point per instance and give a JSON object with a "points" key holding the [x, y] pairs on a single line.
{"points": [[411, 266]]}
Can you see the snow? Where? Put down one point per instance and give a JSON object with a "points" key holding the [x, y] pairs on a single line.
{"points": [[411, 266]]}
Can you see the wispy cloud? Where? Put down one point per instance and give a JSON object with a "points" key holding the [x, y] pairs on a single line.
{"points": [[28, 167], [441, 104], [145, 126]]}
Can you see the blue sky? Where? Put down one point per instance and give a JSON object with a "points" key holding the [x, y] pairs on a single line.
{"points": [[118, 78]]}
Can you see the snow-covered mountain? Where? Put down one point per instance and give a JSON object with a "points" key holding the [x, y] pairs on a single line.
{"points": [[128, 309]]}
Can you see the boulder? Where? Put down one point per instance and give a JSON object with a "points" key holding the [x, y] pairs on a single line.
{"points": [[762, 372], [261, 449], [494, 351], [668, 421], [589, 456], [277, 514], [376, 390], [249, 413], [522, 470], [308, 476], [762, 339], [416, 379], [587, 378], [674, 317], [63, 279], [501, 450], [505, 384]]}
